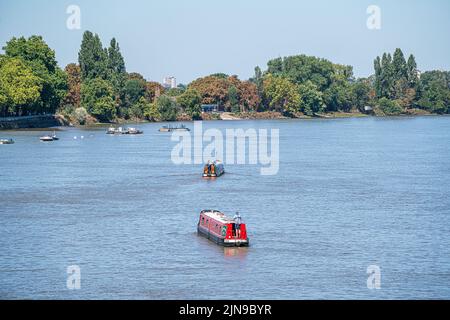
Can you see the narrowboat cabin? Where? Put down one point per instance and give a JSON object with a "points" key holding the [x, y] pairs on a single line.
{"points": [[213, 170], [217, 227]]}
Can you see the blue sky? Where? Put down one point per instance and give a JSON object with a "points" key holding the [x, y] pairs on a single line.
{"points": [[189, 39]]}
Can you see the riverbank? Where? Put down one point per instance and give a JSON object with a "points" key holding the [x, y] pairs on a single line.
{"points": [[31, 122], [48, 121]]}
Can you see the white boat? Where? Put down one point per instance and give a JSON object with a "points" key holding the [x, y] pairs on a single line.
{"points": [[46, 138], [6, 141], [134, 131]]}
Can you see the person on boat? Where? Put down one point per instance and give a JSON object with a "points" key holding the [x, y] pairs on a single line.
{"points": [[237, 223]]}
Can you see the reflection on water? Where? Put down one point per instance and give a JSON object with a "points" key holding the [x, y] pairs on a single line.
{"points": [[239, 253]]}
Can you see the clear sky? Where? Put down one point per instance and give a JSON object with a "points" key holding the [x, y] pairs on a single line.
{"points": [[189, 39]]}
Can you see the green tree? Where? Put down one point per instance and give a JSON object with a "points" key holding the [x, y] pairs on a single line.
{"points": [[116, 66], [233, 99], [412, 73], [282, 95], [37, 55], [97, 99], [151, 112], [167, 108], [19, 88], [360, 94], [435, 92], [137, 110], [190, 101], [134, 90], [389, 107], [92, 58], [310, 98]]}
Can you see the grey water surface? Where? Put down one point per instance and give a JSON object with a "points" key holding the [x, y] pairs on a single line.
{"points": [[350, 193]]}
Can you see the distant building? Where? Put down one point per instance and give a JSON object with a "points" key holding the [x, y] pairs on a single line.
{"points": [[170, 82]]}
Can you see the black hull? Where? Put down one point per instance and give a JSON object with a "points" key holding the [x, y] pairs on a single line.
{"points": [[218, 240]]}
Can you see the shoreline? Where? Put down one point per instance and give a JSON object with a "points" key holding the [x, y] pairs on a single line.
{"points": [[55, 121]]}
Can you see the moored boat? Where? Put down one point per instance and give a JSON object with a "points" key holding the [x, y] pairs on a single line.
{"points": [[46, 138], [134, 131], [217, 227], [6, 141], [111, 130], [171, 129], [55, 138], [213, 170]]}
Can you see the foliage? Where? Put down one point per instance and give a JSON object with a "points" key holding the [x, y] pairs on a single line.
{"points": [[190, 101], [167, 108], [311, 100], [389, 107], [282, 95], [396, 78], [19, 88], [93, 59], [38, 56], [97, 99], [435, 92], [73, 96], [81, 115], [215, 89]]}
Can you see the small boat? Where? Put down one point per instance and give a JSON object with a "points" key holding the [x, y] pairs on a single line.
{"points": [[217, 227], [55, 138], [119, 131], [171, 129], [6, 141], [181, 128], [213, 170], [46, 138], [134, 131], [111, 130]]}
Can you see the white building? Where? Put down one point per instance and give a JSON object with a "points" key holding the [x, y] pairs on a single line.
{"points": [[170, 82]]}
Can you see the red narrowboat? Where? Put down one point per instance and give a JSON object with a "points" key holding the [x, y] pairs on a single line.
{"points": [[217, 227]]}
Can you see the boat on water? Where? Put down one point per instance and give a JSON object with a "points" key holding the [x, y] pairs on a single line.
{"points": [[55, 138], [46, 138], [121, 130], [6, 141], [111, 130], [213, 169], [217, 227], [134, 131], [171, 129]]}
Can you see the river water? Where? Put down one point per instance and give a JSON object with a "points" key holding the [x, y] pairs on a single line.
{"points": [[350, 193]]}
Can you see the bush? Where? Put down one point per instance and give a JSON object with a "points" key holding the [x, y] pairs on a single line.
{"points": [[81, 115], [389, 107]]}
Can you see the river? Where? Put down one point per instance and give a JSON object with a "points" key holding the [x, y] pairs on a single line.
{"points": [[350, 193]]}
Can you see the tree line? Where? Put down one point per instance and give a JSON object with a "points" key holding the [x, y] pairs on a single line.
{"points": [[99, 88]]}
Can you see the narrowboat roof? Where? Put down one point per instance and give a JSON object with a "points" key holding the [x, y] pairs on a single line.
{"points": [[218, 216]]}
